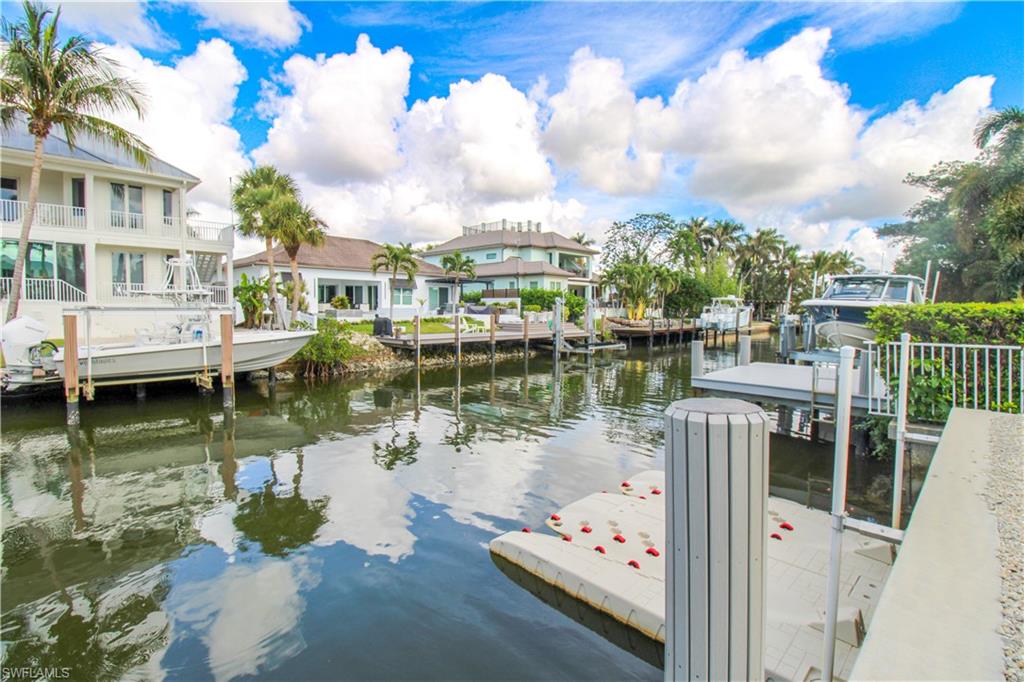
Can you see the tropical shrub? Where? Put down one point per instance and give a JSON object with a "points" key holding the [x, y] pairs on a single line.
{"points": [[531, 308], [287, 289], [689, 298], [472, 296], [545, 298], [987, 323], [329, 348], [251, 295], [340, 302]]}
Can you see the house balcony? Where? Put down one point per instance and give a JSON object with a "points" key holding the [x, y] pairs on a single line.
{"points": [[46, 215], [43, 289]]}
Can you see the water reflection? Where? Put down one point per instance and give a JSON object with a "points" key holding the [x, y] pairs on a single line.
{"points": [[328, 530]]}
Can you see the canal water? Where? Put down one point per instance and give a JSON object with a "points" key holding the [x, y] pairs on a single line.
{"points": [[340, 529]]}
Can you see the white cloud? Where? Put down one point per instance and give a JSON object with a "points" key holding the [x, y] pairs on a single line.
{"points": [[760, 132], [592, 128], [336, 119], [123, 22], [263, 23], [188, 119], [909, 140]]}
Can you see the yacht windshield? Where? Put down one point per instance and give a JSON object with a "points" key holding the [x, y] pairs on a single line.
{"points": [[856, 289]]}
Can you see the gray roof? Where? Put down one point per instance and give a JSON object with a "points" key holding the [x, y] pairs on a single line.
{"points": [[337, 253], [515, 267], [540, 240], [88, 148]]}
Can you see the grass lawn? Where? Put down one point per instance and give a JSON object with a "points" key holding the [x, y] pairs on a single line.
{"points": [[426, 327]]}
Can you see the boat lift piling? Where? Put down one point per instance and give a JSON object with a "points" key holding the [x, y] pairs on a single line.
{"points": [[494, 332], [71, 371], [458, 338], [416, 338], [227, 362], [744, 351], [697, 359]]}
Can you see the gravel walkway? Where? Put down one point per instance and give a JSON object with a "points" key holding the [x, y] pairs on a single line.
{"points": [[1005, 497]]}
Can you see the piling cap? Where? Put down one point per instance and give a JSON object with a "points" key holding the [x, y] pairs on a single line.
{"points": [[713, 406]]}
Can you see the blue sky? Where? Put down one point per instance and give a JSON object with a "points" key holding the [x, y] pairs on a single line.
{"points": [[609, 68]]}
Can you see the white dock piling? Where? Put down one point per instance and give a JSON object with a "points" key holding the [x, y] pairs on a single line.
{"points": [[716, 457], [901, 430], [844, 397], [744, 358], [697, 359]]}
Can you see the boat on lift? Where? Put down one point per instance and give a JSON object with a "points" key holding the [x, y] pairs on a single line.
{"points": [[185, 344], [839, 317], [726, 313]]}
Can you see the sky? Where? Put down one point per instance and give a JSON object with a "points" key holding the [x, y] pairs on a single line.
{"points": [[405, 121]]}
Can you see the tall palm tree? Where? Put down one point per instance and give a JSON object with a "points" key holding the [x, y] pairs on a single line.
{"points": [[72, 85], [724, 236], [458, 266], [666, 282], [582, 239], [700, 229], [297, 225], [259, 192], [394, 258]]}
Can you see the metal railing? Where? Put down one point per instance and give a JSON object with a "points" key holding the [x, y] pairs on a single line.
{"points": [[205, 230], [220, 293], [940, 376], [43, 289], [46, 215], [170, 226], [122, 289], [124, 221]]}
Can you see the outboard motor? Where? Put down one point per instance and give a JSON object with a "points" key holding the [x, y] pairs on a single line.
{"points": [[18, 337], [382, 326]]}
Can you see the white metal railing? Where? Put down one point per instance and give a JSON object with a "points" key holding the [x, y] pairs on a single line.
{"points": [[122, 289], [46, 215], [170, 226], [205, 230], [220, 293], [43, 289], [124, 221], [945, 375]]}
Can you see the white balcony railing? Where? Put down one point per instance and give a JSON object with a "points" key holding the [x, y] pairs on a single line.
{"points": [[170, 226], [122, 289], [124, 221], [220, 294], [205, 230], [43, 289], [46, 215]]}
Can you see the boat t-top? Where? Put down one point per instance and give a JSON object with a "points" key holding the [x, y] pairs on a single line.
{"points": [[726, 313], [840, 316]]}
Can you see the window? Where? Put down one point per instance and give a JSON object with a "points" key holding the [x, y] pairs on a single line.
{"points": [[127, 272], [354, 294], [125, 206], [555, 286], [325, 293], [168, 206], [78, 192], [492, 256], [551, 257], [71, 264], [534, 284], [897, 290], [9, 189], [574, 264], [45, 260], [402, 296], [511, 284]]}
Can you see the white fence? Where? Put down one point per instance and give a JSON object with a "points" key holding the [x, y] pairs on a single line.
{"points": [[43, 289], [46, 215], [945, 375]]}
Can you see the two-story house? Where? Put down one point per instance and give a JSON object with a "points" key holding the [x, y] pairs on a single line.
{"points": [[103, 230], [518, 255]]}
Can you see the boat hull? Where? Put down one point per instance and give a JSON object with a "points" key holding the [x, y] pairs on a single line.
{"points": [[839, 333], [252, 352]]}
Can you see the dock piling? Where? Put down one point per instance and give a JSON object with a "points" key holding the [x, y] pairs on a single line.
{"points": [[416, 337], [526, 334], [458, 338], [697, 359], [140, 392], [901, 430], [227, 359], [650, 339], [494, 332], [716, 509], [744, 351], [71, 368]]}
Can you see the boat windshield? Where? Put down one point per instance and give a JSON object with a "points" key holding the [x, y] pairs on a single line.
{"points": [[856, 289]]}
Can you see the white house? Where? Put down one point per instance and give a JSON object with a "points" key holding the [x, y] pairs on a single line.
{"points": [[513, 255], [342, 267], [103, 230]]}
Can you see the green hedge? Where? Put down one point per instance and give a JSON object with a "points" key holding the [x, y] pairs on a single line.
{"points": [[546, 298], [987, 323], [329, 348]]}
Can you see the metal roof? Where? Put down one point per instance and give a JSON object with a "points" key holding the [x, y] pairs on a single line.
{"points": [[91, 149]]}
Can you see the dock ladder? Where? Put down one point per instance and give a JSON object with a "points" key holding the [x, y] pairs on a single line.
{"points": [[820, 409]]}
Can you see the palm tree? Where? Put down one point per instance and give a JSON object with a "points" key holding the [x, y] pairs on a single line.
{"points": [[459, 266], [395, 258], [700, 230], [582, 239], [71, 85], [260, 193], [298, 225], [724, 236], [666, 282], [1008, 123]]}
